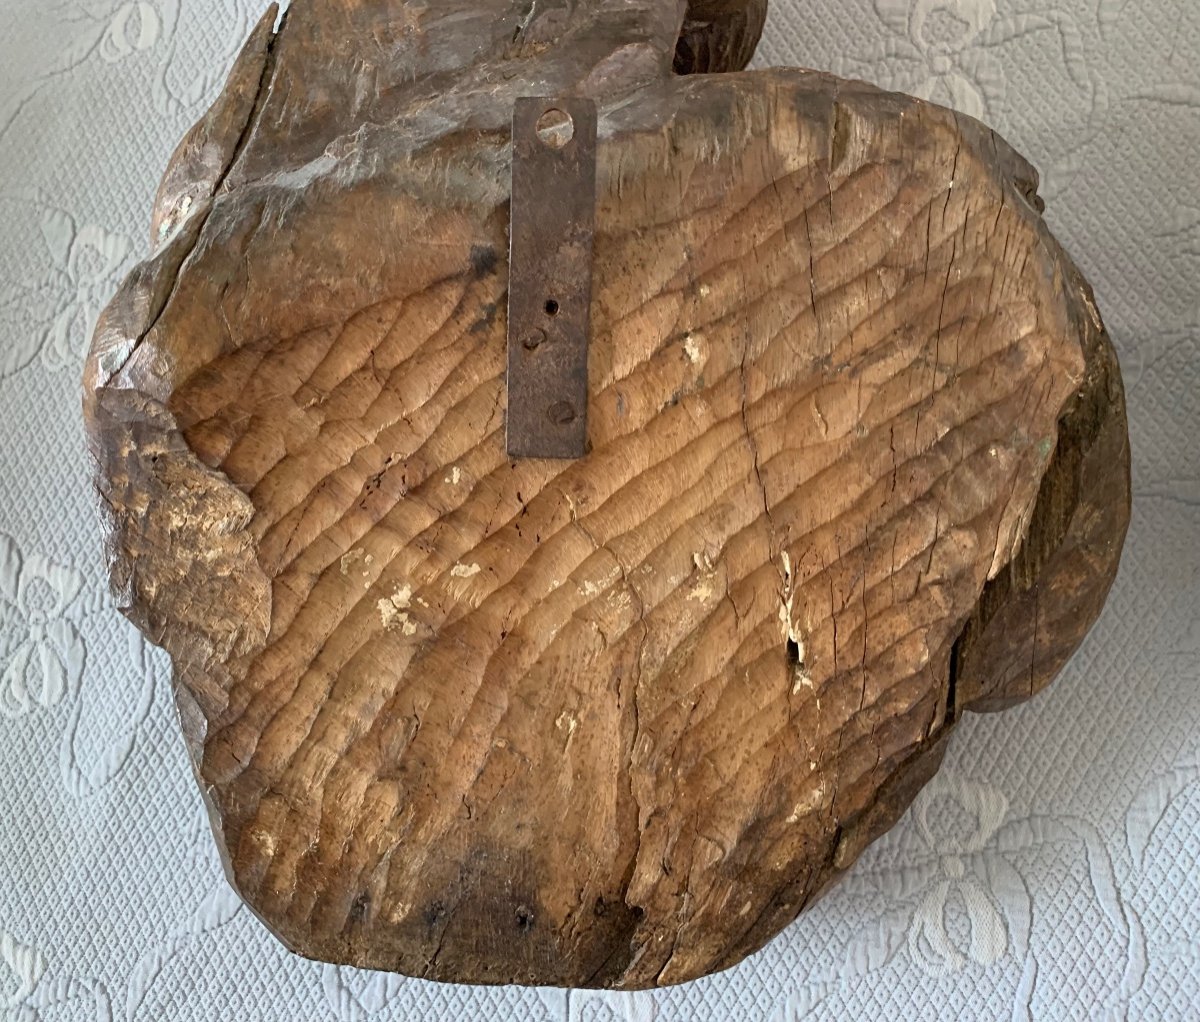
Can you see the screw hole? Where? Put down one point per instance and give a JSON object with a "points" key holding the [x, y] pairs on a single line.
{"points": [[555, 128], [551, 307]]}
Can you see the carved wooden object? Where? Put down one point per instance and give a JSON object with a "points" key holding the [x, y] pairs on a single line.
{"points": [[858, 462]]}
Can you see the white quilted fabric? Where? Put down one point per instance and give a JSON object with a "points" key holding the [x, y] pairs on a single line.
{"points": [[1052, 871]]}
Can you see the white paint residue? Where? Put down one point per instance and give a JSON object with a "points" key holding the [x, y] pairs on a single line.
{"points": [[592, 587], [175, 219], [387, 612], [785, 605], [392, 608], [568, 721], [703, 588], [455, 476], [802, 680], [620, 598], [814, 800], [691, 348], [354, 558], [465, 570]]}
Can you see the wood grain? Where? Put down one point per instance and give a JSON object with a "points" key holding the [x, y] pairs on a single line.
{"points": [[858, 463]]}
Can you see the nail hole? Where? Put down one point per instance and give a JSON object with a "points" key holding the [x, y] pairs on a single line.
{"points": [[551, 307], [555, 128]]}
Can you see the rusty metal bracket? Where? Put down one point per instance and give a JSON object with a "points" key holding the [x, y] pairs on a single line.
{"points": [[551, 233]]}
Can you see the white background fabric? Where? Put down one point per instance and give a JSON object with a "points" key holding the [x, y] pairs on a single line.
{"points": [[1050, 872]]}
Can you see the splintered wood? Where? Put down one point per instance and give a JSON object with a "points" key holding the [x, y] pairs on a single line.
{"points": [[857, 462]]}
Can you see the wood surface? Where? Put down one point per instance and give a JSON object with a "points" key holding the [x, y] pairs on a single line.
{"points": [[858, 463]]}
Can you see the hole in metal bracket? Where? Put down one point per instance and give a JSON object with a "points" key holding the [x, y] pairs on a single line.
{"points": [[555, 128]]}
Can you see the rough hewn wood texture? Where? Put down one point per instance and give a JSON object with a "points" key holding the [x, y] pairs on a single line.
{"points": [[859, 462]]}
